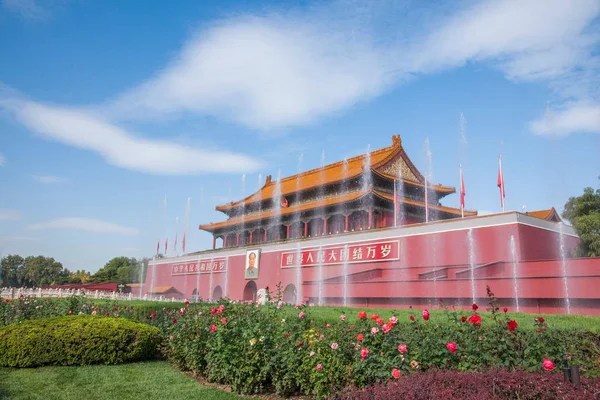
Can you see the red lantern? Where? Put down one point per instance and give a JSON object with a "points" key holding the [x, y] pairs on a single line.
{"points": [[284, 203]]}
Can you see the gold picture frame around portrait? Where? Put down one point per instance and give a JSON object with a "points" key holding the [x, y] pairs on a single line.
{"points": [[252, 264]]}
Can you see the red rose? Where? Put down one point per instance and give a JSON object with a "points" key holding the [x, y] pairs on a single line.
{"points": [[464, 319], [475, 307], [70, 312], [451, 346], [505, 309], [174, 320], [475, 319], [380, 321], [187, 303], [542, 320], [213, 328], [362, 315], [223, 320], [287, 335], [396, 373], [299, 343], [425, 315], [412, 317], [402, 348], [360, 337], [153, 315], [548, 364], [374, 317], [512, 325]]}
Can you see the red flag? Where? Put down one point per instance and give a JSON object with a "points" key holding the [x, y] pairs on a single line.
{"points": [[166, 245], [501, 183], [157, 247], [463, 192], [175, 244], [183, 243]]}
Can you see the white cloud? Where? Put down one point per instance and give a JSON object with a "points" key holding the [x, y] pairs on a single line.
{"points": [[265, 73], [48, 179], [85, 224], [9, 214], [18, 238], [584, 118], [2, 160], [288, 69], [119, 147]]}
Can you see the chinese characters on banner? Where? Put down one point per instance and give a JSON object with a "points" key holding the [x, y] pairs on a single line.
{"points": [[199, 267], [371, 252]]}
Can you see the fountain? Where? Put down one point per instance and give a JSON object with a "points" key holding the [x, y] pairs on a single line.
{"points": [[321, 288], [513, 252], [368, 177], [563, 265], [472, 256], [299, 291], [277, 198], [345, 275], [210, 281]]}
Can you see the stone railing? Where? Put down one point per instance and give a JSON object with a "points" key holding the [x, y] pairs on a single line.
{"points": [[15, 293]]}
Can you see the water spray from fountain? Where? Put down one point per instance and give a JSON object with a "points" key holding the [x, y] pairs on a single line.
{"points": [[299, 291], [198, 275], [346, 289], [563, 265], [277, 199], [433, 238], [472, 256], [515, 263]]}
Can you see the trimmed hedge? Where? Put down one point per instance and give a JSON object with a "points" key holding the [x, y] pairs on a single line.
{"points": [[77, 340]]}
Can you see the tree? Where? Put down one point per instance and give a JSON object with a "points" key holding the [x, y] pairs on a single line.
{"points": [[584, 213], [119, 269], [11, 270], [44, 271]]}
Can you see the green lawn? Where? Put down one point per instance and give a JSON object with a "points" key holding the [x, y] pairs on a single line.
{"points": [[148, 380]]}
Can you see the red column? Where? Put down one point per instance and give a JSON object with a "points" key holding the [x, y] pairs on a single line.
{"points": [[237, 239], [346, 222], [214, 242], [324, 226], [250, 237], [370, 218], [266, 235], [224, 241], [288, 232], [306, 229]]}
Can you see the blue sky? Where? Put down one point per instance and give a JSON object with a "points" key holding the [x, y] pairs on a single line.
{"points": [[108, 106]]}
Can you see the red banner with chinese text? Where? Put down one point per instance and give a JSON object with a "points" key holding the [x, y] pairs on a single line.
{"points": [[199, 267], [351, 254]]}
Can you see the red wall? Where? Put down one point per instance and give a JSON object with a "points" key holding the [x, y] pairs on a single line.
{"points": [[409, 280]]}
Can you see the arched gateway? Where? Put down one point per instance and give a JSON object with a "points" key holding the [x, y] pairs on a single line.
{"points": [[250, 291]]}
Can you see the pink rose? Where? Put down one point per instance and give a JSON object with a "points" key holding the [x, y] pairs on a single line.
{"points": [[374, 331], [343, 317], [364, 353], [301, 315], [395, 373], [319, 367], [213, 328], [394, 320], [223, 320], [425, 315], [451, 346], [402, 348], [334, 346]]}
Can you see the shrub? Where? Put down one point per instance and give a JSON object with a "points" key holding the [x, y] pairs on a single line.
{"points": [[77, 340], [494, 385]]}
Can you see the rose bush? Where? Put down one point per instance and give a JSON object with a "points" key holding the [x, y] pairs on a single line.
{"points": [[292, 349]]}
